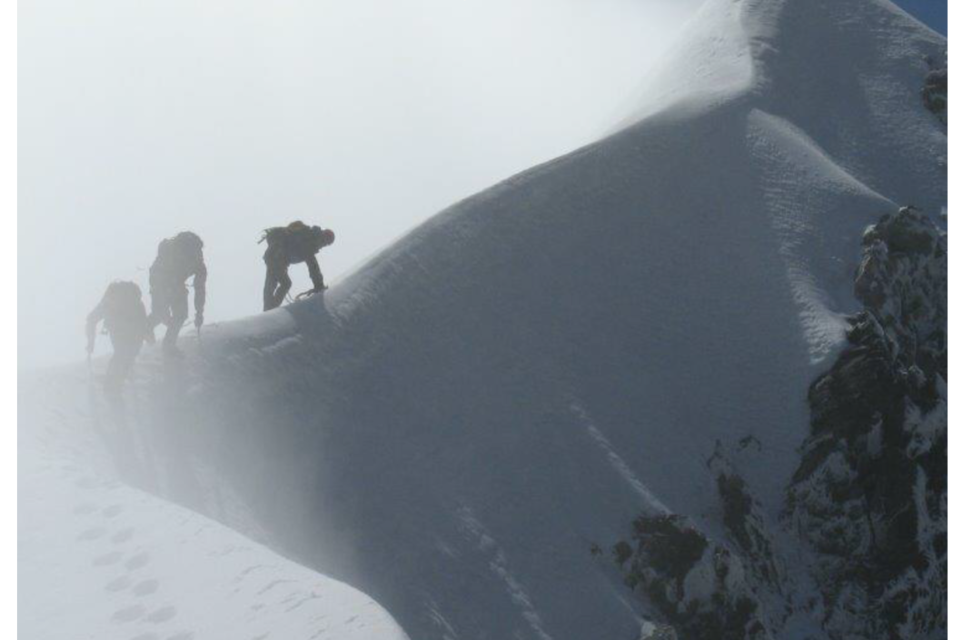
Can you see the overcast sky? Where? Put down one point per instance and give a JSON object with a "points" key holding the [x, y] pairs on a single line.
{"points": [[139, 120]]}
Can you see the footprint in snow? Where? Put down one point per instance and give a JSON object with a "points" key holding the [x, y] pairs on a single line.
{"points": [[118, 584], [245, 572], [162, 615], [129, 614], [137, 561], [92, 534], [146, 587], [122, 536]]}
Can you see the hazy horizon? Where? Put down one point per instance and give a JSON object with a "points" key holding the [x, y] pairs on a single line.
{"points": [[137, 122]]}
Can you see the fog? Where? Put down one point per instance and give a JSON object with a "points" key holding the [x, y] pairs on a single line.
{"points": [[138, 120], [411, 469]]}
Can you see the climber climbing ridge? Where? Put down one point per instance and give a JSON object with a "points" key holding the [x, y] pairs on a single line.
{"points": [[180, 258]]}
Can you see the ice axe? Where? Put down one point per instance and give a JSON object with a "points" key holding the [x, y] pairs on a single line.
{"points": [[310, 292]]}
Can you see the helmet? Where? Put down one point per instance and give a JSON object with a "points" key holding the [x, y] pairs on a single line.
{"points": [[328, 237]]}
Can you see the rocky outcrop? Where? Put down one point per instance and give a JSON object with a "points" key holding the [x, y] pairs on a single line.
{"points": [[934, 90], [870, 493], [745, 523], [701, 587], [868, 498]]}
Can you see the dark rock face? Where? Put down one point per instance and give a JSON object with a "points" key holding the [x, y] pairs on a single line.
{"points": [[868, 499], [935, 90], [745, 524], [701, 587], [870, 493]]}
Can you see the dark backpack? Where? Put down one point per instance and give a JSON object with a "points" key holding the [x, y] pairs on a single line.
{"points": [[123, 306], [185, 247], [276, 235], [123, 294]]}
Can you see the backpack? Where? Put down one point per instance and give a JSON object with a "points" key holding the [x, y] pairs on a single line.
{"points": [[123, 294], [185, 246], [123, 306], [275, 235]]}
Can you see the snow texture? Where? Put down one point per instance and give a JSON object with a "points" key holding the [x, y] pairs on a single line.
{"points": [[456, 425], [100, 559]]}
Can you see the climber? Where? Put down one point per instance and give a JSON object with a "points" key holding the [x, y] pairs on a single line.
{"points": [[292, 244], [125, 320], [178, 258]]}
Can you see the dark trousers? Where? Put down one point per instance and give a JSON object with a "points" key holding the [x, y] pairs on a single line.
{"points": [[168, 305], [276, 287]]}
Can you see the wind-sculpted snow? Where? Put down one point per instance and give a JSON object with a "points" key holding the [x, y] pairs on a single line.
{"points": [[464, 426]]}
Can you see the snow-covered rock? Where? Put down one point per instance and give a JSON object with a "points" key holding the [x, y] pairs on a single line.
{"points": [[935, 89], [465, 424], [862, 497], [870, 493], [745, 523], [701, 587]]}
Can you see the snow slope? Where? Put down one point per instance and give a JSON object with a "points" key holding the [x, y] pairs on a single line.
{"points": [[455, 425], [100, 559]]}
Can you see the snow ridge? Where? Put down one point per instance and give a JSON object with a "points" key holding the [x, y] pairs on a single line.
{"points": [[683, 281]]}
